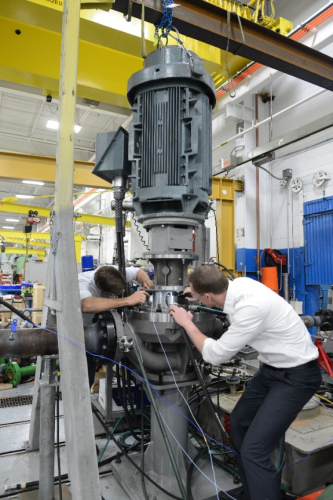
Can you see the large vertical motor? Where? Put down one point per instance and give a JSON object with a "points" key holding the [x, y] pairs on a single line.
{"points": [[170, 150], [169, 147]]}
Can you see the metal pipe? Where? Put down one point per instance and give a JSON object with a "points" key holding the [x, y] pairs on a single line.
{"points": [[28, 342], [286, 286], [256, 117], [246, 131], [288, 243]]}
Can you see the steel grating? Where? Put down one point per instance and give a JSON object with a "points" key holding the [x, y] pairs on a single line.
{"points": [[17, 401]]}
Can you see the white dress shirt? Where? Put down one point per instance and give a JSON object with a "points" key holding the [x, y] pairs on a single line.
{"points": [[88, 288], [262, 319]]}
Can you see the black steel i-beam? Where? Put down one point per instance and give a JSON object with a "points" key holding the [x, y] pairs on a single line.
{"points": [[208, 23]]}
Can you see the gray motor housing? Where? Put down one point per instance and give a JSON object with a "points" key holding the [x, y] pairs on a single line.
{"points": [[170, 139]]}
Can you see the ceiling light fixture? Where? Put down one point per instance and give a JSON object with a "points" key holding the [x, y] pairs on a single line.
{"points": [[53, 124], [7, 227], [24, 196], [37, 183], [12, 220]]}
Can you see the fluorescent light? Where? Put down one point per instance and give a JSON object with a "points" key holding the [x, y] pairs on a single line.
{"points": [[55, 125], [24, 196], [52, 124], [13, 220], [8, 227], [37, 183]]}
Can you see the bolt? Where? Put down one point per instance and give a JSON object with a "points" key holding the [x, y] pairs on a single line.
{"points": [[122, 341], [130, 340]]}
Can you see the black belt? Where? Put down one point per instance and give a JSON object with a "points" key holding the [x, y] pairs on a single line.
{"points": [[305, 366]]}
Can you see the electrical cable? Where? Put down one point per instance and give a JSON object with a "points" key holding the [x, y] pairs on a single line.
{"points": [[188, 457], [122, 396], [180, 392], [226, 269], [129, 391], [16, 311], [139, 232], [124, 452], [270, 173], [148, 384], [325, 399], [134, 373], [202, 383], [142, 456], [162, 428], [190, 470], [320, 481], [109, 439]]}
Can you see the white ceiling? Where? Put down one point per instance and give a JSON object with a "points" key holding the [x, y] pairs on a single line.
{"points": [[23, 118]]}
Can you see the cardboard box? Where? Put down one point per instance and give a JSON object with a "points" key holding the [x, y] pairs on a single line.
{"points": [[37, 301]]}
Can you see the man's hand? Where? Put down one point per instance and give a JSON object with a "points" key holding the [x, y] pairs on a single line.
{"points": [[138, 297], [189, 299], [148, 284], [182, 317]]}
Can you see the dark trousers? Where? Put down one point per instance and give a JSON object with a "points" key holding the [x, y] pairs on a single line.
{"points": [[270, 403]]}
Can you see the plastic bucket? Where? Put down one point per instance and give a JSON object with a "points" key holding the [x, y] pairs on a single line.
{"points": [[87, 262], [270, 278]]}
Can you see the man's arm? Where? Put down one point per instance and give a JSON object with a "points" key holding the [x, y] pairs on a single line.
{"points": [[184, 319], [144, 279], [100, 304]]}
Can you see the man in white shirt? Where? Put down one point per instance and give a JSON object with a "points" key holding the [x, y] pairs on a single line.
{"points": [[99, 291], [287, 379]]}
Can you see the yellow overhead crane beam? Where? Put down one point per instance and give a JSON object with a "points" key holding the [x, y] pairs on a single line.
{"points": [[6, 205], [30, 41], [109, 50], [32, 239], [17, 166], [22, 251], [21, 241], [33, 236]]}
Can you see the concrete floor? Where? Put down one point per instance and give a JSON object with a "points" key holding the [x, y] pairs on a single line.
{"points": [[17, 465]]}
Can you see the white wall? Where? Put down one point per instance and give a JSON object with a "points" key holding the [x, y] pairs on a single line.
{"points": [[287, 91]]}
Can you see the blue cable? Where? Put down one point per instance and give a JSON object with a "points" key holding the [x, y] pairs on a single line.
{"points": [[187, 404], [139, 377], [160, 397], [195, 465]]}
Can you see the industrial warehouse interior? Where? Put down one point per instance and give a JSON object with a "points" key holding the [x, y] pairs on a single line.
{"points": [[166, 226]]}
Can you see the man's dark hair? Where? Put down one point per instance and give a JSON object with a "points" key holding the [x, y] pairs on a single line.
{"points": [[108, 279], [208, 279]]}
